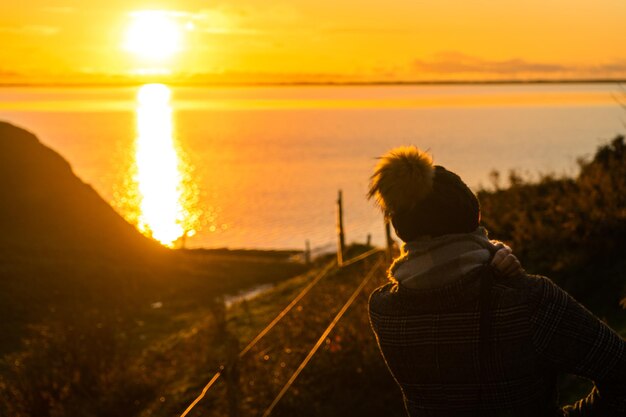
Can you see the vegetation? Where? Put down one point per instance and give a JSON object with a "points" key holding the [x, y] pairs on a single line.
{"points": [[96, 319], [102, 353], [154, 362], [133, 330], [570, 229]]}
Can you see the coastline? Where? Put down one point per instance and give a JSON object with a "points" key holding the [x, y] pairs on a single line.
{"points": [[373, 83]]}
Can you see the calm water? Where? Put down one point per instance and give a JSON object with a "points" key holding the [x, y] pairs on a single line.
{"points": [[264, 164]]}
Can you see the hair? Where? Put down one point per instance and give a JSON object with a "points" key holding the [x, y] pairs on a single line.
{"points": [[402, 178]]}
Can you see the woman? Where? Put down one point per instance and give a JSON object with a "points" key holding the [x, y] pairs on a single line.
{"points": [[461, 339]]}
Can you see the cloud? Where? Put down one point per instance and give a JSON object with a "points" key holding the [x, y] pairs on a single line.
{"points": [[5, 73], [209, 21], [237, 20], [59, 9], [37, 30], [458, 63], [616, 66], [230, 31], [364, 31], [252, 77]]}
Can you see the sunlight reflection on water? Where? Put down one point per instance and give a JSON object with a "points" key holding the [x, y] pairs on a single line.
{"points": [[164, 196], [268, 161]]}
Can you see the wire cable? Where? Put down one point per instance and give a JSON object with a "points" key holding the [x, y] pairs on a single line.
{"points": [[286, 310], [276, 319], [361, 257], [263, 332], [204, 391], [319, 342]]}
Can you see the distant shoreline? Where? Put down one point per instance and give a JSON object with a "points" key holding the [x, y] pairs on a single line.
{"points": [[238, 252], [314, 84]]}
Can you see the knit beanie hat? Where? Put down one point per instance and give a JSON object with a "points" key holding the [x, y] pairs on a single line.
{"points": [[421, 199]]}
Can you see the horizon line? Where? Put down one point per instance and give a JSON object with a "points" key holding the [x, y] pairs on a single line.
{"points": [[374, 83]]}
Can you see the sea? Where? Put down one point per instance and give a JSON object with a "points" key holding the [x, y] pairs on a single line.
{"points": [[261, 166]]}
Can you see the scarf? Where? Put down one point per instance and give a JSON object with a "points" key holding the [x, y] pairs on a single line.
{"points": [[434, 262]]}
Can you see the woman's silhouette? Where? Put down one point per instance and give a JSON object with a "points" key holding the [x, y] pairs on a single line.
{"points": [[460, 338]]}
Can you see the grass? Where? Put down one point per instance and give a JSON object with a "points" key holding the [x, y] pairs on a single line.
{"points": [[349, 354], [90, 341], [108, 332]]}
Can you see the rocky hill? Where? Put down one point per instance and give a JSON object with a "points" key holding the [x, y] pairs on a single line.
{"points": [[47, 208], [65, 252]]}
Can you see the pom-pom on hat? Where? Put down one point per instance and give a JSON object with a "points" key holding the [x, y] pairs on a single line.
{"points": [[422, 199], [402, 178]]}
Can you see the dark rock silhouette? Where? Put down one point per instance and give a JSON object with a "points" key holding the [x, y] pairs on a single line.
{"points": [[66, 254], [62, 247], [45, 207]]}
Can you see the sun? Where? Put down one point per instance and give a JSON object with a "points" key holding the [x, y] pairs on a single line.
{"points": [[153, 35]]}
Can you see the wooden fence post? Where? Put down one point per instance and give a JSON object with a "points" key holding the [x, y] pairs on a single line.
{"points": [[340, 235], [307, 252], [230, 368], [183, 240]]}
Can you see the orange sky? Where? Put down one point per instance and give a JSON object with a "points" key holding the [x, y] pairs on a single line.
{"points": [[313, 40]]}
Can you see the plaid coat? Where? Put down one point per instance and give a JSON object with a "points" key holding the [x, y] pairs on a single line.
{"points": [[431, 341]]}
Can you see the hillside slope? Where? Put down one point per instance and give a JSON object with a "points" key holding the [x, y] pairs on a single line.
{"points": [[64, 250], [46, 207]]}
